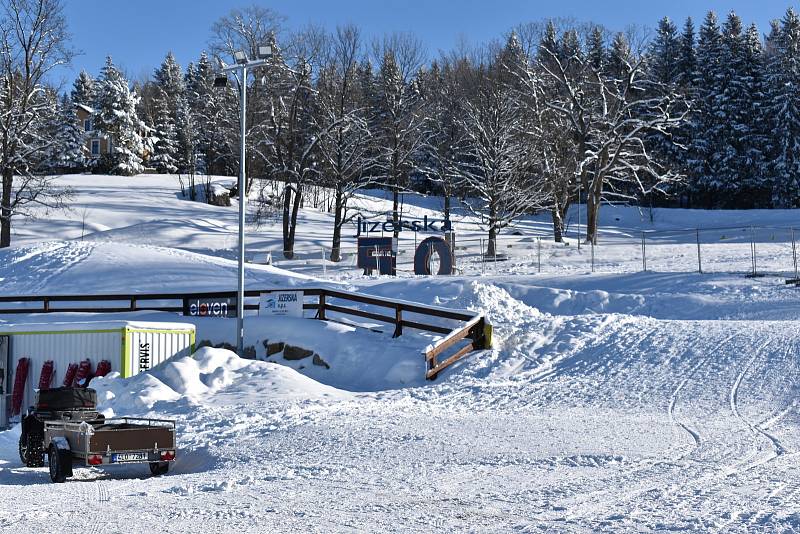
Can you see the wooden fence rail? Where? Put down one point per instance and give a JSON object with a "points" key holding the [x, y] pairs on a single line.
{"points": [[473, 332]]}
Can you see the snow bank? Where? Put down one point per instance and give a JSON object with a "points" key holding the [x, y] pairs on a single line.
{"points": [[210, 376]]}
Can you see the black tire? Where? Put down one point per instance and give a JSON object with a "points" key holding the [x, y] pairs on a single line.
{"points": [[56, 460], [34, 451], [23, 449], [159, 468]]}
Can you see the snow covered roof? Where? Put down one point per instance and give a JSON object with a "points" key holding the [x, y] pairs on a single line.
{"points": [[85, 108], [82, 326]]}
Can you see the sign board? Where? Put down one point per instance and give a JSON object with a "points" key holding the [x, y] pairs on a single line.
{"points": [[209, 306], [377, 253], [281, 304]]}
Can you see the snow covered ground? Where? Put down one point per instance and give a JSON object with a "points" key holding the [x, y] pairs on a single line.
{"points": [[614, 401]]}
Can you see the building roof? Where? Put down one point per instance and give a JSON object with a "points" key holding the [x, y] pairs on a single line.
{"points": [[85, 108]]}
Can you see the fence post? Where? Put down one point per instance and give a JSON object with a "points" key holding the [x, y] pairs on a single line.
{"points": [[699, 258], [592, 243], [398, 321], [644, 253], [377, 261], [539, 254], [794, 255], [321, 305], [324, 269], [483, 258], [753, 248]]}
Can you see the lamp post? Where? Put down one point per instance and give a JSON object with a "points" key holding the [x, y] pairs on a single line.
{"points": [[242, 64]]}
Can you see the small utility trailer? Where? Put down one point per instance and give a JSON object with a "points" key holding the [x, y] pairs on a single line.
{"points": [[65, 426]]}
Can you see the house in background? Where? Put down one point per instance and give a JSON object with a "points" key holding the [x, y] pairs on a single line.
{"points": [[96, 143]]}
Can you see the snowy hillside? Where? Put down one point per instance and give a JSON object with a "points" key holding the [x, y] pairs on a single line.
{"points": [[621, 401]]}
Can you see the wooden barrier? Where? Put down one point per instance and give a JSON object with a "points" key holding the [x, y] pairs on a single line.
{"points": [[474, 329]]}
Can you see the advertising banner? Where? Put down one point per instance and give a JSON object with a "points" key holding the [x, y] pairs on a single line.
{"points": [[209, 307], [281, 303]]}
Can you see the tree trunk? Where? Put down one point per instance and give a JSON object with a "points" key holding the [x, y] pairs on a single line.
{"points": [[446, 205], [287, 203], [5, 211], [593, 212], [298, 197], [491, 247], [558, 224], [336, 245]]}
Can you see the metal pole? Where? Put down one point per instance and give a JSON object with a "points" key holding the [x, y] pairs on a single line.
{"points": [[324, 270], [580, 186], [242, 194], [699, 258], [794, 255], [753, 248], [592, 242], [483, 259], [539, 254], [644, 253]]}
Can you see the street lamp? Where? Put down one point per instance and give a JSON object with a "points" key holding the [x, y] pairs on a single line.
{"points": [[242, 63]]}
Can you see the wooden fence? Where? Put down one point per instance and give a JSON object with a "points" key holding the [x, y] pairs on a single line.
{"points": [[471, 331]]}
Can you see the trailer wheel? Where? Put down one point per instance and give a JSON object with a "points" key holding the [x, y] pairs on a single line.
{"points": [[57, 460], [23, 449], [159, 468], [34, 450]]}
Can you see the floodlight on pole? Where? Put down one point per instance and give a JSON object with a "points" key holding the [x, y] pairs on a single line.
{"points": [[242, 64], [220, 81], [264, 52]]}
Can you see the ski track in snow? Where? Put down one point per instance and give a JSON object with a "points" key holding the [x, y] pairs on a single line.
{"points": [[611, 403]]}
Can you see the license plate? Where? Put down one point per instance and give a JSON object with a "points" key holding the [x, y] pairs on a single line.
{"points": [[129, 457]]}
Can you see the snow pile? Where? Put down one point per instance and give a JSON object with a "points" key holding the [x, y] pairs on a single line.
{"points": [[207, 377]]}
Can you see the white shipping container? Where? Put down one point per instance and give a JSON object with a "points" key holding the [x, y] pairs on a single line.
{"points": [[130, 346]]}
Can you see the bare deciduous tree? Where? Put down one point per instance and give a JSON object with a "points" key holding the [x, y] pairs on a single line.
{"points": [[345, 153], [33, 42]]}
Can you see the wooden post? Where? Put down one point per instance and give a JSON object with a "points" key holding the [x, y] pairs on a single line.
{"points": [[794, 255], [321, 311], [46, 304], [398, 321], [133, 303]]}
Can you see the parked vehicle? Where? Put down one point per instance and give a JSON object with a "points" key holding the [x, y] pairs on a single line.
{"points": [[64, 425]]}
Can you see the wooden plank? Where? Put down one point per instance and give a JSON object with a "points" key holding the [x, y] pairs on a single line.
{"points": [[389, 303], [427, 327], [360, 313], [430, 375], [452, 339]]}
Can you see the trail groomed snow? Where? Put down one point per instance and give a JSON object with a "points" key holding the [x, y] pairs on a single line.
{"points": [[617, 402], [574, 423]]}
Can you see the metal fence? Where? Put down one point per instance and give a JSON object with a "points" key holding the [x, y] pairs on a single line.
{"points": [[749, 250]]}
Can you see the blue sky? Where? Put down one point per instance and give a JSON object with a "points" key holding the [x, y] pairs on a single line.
{"points": [[138, 33]]}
